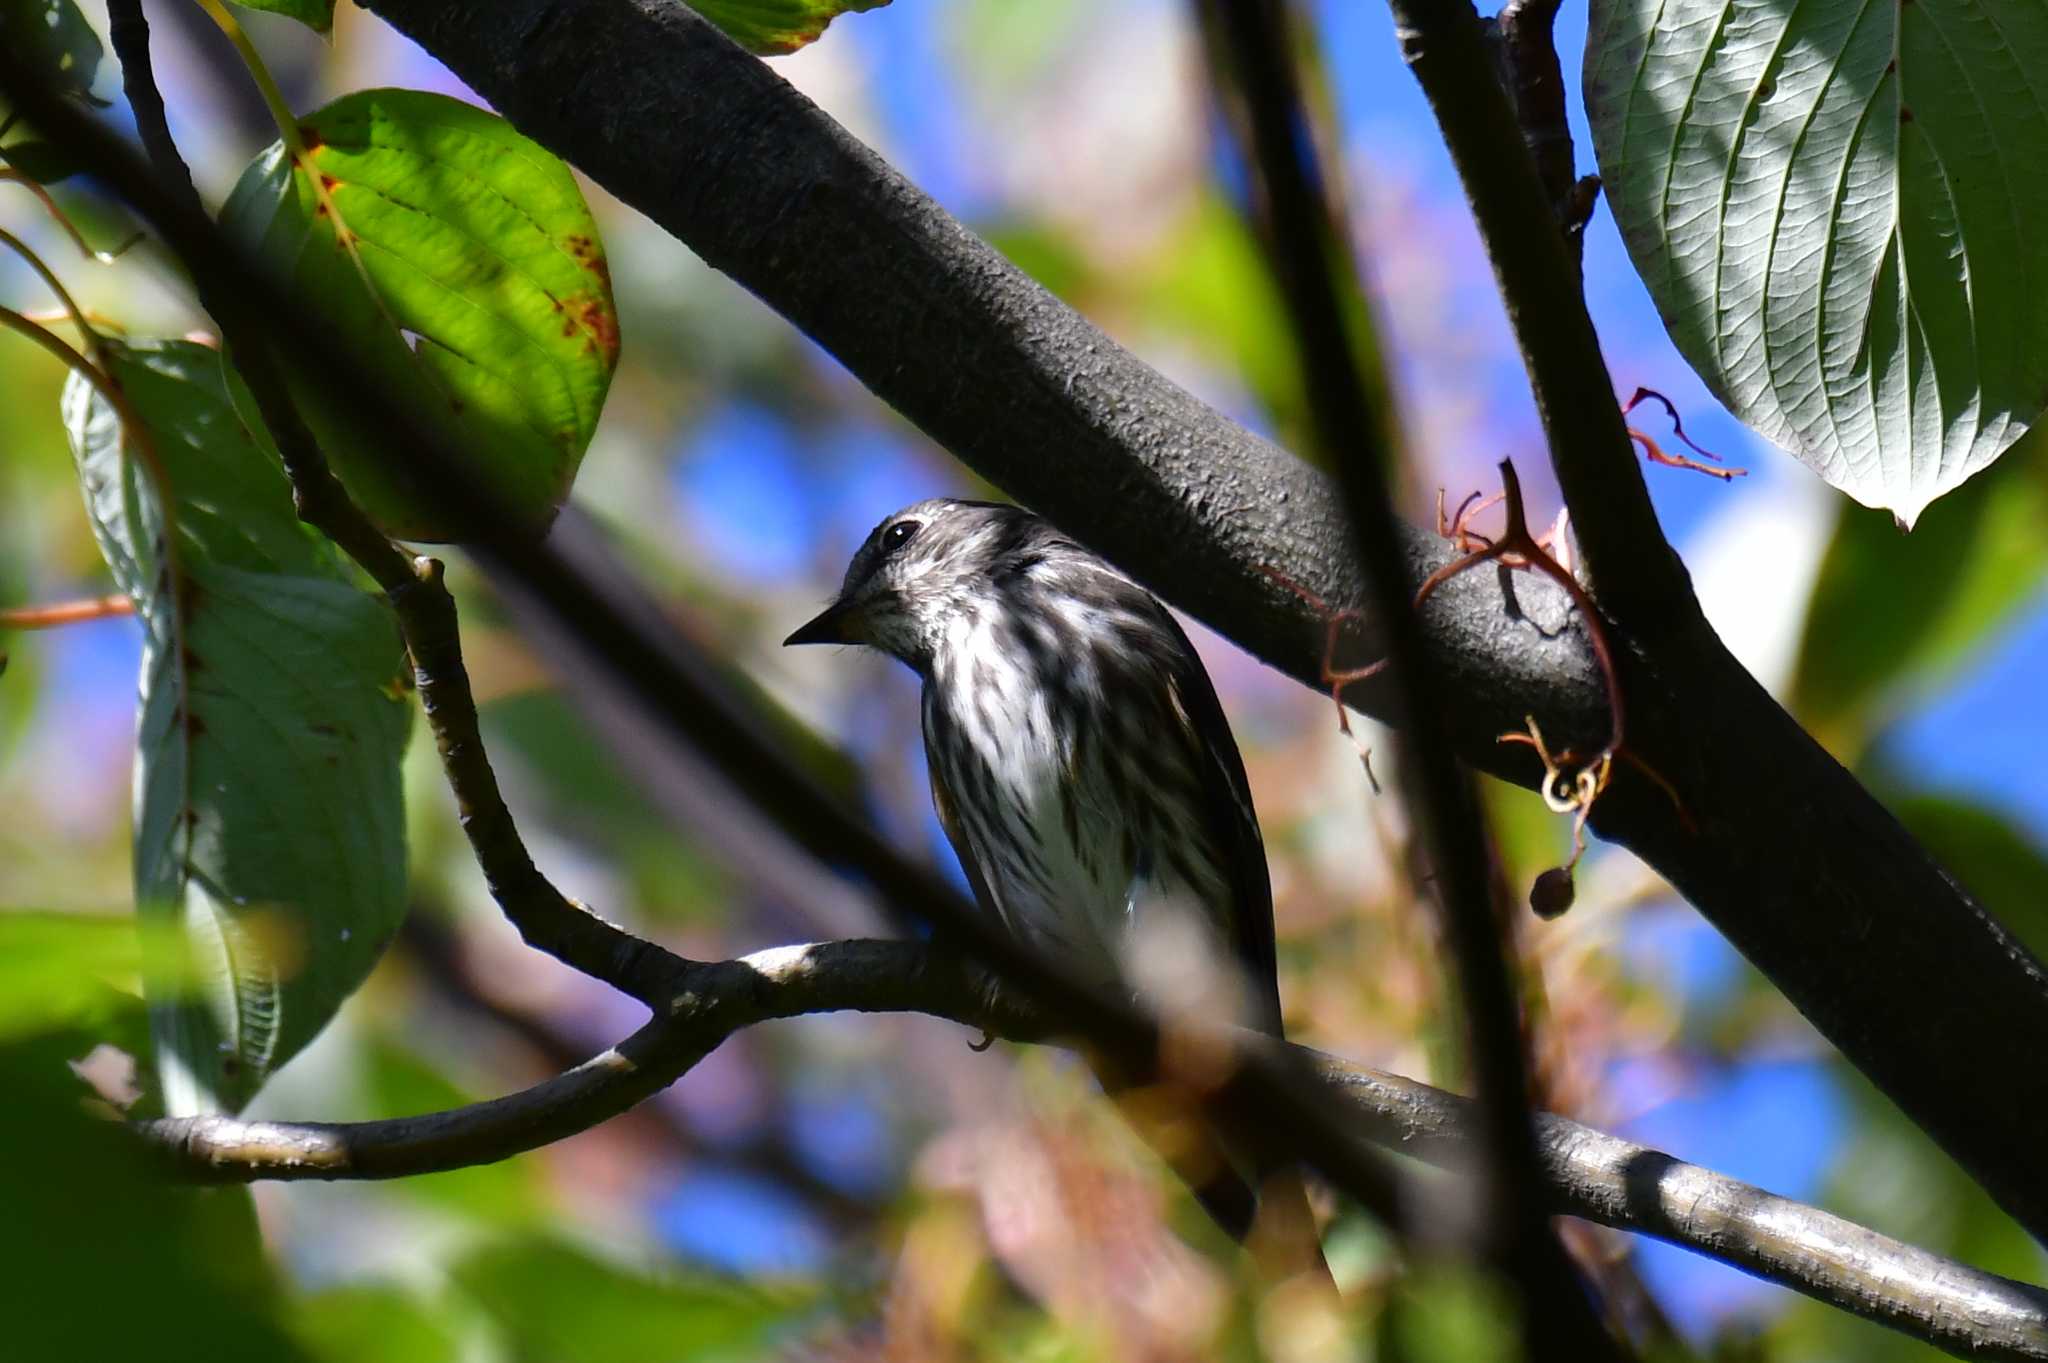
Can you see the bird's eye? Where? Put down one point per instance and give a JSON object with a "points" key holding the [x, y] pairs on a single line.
{"points": [[898, 535]]}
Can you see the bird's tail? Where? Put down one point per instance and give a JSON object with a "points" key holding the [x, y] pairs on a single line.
{"points": [[1262, 1205]]}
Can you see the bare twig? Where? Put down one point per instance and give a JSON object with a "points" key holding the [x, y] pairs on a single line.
{"points": [[546, 918], [1584, 1172]]}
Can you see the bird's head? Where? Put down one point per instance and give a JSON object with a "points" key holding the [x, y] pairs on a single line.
{"points": [[917, 572]]}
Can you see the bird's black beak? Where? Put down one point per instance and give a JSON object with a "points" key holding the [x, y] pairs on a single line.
{"points": [[827, 627]]}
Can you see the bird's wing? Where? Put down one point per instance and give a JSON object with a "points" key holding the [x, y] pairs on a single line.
{"points": [[1232, 825]]}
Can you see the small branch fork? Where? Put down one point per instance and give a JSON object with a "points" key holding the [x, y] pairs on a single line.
{"points": [[1584, 1172], [1658, 455]]}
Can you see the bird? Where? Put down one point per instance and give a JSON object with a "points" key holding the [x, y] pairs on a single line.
{"points": [[1083, 770]]}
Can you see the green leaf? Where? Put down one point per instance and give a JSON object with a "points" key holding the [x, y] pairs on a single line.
{"points": [[399, 1083], [104, 1258], [1893, 614], [1839, 210], [560, 1302], [461, 263], [1995, 859], [268, 823], [62, 969], [58, 39], [317, 15], [373, 1321], [771, 28]]}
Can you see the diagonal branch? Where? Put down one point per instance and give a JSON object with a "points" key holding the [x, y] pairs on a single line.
{"points": [[1584, 1172], [546, 918]]}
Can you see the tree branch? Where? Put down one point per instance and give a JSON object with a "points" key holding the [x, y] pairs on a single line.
{"points": [[1586, 1173], [546, 918]]}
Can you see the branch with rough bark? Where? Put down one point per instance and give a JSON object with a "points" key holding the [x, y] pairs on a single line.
{"points": [[1585, 1173], [1783, 850]]}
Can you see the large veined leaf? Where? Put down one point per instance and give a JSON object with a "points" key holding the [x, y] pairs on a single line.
{"points": [[461, 263], [773, 27], [269, 824], [1839, 208]]}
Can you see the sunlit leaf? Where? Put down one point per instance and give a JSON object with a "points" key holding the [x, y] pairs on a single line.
{"points": [[317, 15], [1893, 614], [773, 27], [1839, 209], [268, 821], [463, 267], [560, 1302]]}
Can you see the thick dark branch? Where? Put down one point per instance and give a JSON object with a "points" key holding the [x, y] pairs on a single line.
{"points": [[546, 918], [658, 107], [1586, 1173]]}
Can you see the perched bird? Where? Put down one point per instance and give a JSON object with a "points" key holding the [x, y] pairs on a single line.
{"points": [[1080, 762]]}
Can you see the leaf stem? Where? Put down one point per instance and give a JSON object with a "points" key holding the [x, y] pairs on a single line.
{"points": [[66, 612], [273, 98]]}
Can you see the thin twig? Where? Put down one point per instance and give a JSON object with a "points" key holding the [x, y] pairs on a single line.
{"points": [[65, 612], [1584, 1172], [546, 918], [1310, 259]]}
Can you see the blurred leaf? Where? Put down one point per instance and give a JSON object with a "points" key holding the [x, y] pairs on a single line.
{"points": [[268, 823], [107, 1260], [1834, 206], [372, 1321], [1893, 613], [1447, 1313], [1996, 859], [317, 15], [57, 37], [460, 262], [770, 28], [588, 794], [561, 1303], [399, 1083], [64, 969], [1211, 286]]}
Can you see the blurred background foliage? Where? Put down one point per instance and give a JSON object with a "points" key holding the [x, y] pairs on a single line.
{"points": [[866, 1186]]}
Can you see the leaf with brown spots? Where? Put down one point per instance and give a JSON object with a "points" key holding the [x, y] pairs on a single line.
{"points": [[269, 829], [770, 28], [462, 263]]}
